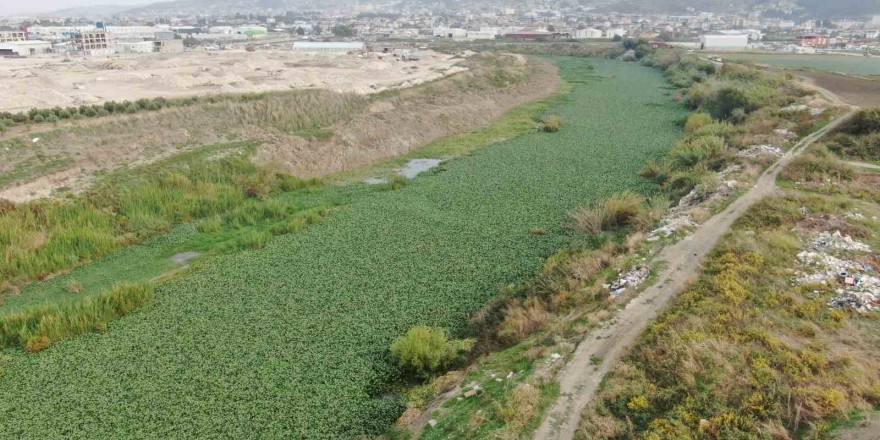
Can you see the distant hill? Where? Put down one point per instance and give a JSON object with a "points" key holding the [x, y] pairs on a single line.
{"points": [[90, 11], [812, 8]]}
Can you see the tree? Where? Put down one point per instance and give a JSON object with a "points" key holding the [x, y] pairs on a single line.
{"points": [[551, 28], [342, 30], [300, 31]]}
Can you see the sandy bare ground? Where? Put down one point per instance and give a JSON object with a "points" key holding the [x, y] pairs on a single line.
{"points": [[47, 82], [580, 378]]}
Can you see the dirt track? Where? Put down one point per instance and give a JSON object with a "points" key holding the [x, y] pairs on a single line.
{"points": [[580, 378]]}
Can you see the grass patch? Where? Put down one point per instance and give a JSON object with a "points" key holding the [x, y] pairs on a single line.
{"points": [[38, 328]]}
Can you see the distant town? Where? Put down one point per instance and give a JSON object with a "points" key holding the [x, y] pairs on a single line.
{"points": [[121, 34]]}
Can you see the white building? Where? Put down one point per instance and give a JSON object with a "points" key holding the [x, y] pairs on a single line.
{"points": [[10, 36], [132, 33], [25, 48], [587, 33], [57, 33], [724, 41], [329, 46], [481, 35]]}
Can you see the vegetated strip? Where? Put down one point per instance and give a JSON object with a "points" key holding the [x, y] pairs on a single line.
{"points": [[754, 348], [569, 297], [43, 238], [292, 340]]}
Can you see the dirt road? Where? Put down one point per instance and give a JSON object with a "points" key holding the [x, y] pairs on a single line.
{"points": [[869, 166], [580, 378]]}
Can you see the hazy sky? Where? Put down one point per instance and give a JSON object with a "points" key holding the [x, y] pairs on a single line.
{"points": [[13, 7]]}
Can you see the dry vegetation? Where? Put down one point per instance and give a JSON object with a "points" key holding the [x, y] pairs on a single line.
{"points": [[744, 352]]}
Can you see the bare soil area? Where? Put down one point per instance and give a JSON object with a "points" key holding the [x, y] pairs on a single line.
{"points": [[855, 90], [397, 126], [47, 82]]}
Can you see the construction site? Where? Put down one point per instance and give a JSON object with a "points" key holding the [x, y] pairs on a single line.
{"points": [[27, 83]]}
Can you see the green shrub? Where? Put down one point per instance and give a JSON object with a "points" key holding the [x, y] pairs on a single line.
{"points": [[39, 118], [864, 147], [726, 100], [396, 182], [864, 122], [817, 165], [701, 150], [426, 351], [696, 121]]}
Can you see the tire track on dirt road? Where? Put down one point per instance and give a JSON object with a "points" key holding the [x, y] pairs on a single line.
{"points": [[580, 378]]}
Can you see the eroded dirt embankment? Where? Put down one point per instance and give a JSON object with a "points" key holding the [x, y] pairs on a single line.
{"points": [[415, 118], [364, 130]]}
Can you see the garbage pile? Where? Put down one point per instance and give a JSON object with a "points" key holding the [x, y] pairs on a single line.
{"points": [[759, 150], [858, 284], [629, 279]]}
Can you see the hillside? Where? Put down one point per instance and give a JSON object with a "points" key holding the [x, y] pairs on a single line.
{"points": [[810, 8]]}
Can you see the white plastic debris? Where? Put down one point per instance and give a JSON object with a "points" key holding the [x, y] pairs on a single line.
{"points": [[35, 140], [836, 240], [759, 150], [629, 279]]}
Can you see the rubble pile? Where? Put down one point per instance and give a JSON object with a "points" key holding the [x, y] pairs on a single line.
{"points": [[629, 279], [759, 150], [858, 284]]}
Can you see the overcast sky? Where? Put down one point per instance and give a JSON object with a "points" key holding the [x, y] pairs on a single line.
{"points": [[13, 7]]}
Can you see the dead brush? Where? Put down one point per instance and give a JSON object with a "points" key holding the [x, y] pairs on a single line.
{"points": [[522, 318]]}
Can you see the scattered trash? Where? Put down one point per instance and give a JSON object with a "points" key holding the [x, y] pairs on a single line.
{"points": [[510, 375], [759, 150], [814, 111], [432, 423], [79, 86], [670, 226], [855, 215], [786, 133], [839, 241], [555, 356], [35, 140], [629, 279]]}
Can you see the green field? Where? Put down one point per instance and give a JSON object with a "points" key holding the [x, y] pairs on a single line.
{"points": [[291, 341], [853, 65]]}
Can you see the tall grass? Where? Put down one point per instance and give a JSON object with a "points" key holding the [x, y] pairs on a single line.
{"points": [[36, 329], [291, 112], [616, 211], [45, 237]]}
